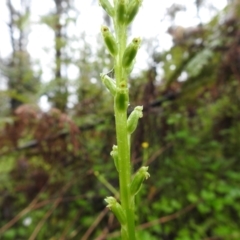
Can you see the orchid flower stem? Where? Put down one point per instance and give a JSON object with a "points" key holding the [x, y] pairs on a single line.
{"points": [[122, 13]]}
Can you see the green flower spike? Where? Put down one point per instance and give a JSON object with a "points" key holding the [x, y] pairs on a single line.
{"points": [[109, 40], [114, 154], [130, 52], [132, 10], [109, 83], [121, 11], [106, 5], [117, 209], [139, 177], [133, 119], [122, 99]]}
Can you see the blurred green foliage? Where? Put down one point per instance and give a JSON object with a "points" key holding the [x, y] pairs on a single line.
{"points": [[48, 187]]}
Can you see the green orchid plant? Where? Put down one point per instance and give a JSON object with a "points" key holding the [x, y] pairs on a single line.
{"points": [[122, 13]]}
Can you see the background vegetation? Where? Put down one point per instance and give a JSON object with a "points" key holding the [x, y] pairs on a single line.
{"points": [[55, 168]]}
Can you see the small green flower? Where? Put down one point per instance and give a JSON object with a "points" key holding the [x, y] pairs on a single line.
{"points": [[138, 179], [121, 11], [109, 40], [106, 5], [114, 154], [132, 10], [129, 69], [109, 83], [133, 119], [130, 52], [117, 209], [121, 97]]}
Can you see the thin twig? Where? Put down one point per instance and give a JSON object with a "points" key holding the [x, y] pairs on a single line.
{"points": [[94, 224], [34, 143], [167, 218], [105, 231], [158, 153], [22, 213], [65, 231], [49, 212], [49, 201]]}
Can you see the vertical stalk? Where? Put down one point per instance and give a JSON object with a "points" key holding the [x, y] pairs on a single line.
{"points": [[122, 13], [122, 139], [125, 170]]}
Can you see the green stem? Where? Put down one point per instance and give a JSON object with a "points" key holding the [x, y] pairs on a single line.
{"points": [[125, 170], [121, 33], [123, 141]]}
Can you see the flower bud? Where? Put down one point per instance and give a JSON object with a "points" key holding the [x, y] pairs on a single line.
{"points": [[117, 209], [114, 154], [109, 40], [121, 11], [130, 52], [139, 177], [133, 119], [109, 83], [121, 97], [106, 5], [132, 10], [129, 69]]}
